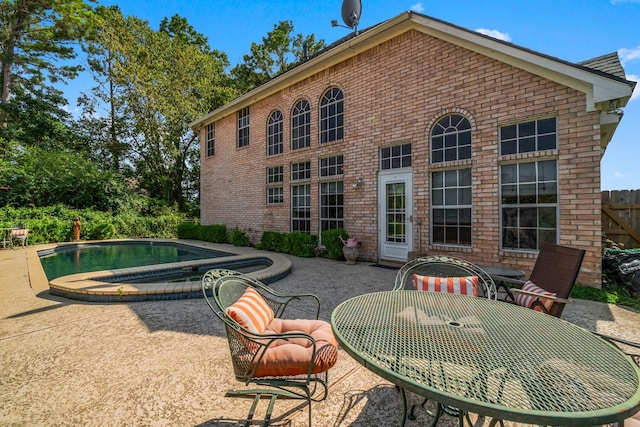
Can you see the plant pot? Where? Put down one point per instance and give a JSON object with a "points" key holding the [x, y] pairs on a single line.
{"points": [[351, 254]]}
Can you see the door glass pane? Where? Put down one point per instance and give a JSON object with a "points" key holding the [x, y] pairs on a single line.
{"points": [[396, 212]]}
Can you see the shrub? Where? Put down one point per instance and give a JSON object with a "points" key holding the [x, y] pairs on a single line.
{"points": [[332, 244], [300, 244], [271, 241], [239, 238]]}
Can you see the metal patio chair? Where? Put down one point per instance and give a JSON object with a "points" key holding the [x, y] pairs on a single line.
{"points": [[444, 266], [290, 357], [427, 273], [552, 279]]}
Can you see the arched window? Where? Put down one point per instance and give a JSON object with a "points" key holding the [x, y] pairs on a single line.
{"points": [[451, 139], [332, 116], [301, 125], [275, 134]]}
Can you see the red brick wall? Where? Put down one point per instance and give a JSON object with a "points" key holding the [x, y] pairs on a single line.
{"points": [[393, 94]]}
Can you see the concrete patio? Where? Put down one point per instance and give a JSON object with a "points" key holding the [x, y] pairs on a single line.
{"points": [[166, 363]]}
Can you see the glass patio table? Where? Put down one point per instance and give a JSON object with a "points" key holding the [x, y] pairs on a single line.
{"points": [[489, 358]]}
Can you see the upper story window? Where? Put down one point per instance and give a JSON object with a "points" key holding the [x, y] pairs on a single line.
{"points": [[332, 166], [275, 175], [243, 127], [535, 135], [451, 139], [275, 133], [211, 139], [301, 170], [396, 157], [301, 125], [332, 116]]}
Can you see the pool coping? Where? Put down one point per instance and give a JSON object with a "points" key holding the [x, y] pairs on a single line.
{"points": [[90, 286]]}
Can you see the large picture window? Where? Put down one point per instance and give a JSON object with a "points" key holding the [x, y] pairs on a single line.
{"points": [[332, 116], [534, 135], [301, 208], [529, 204], [451, 139], [301, 125], [275, 134], [243, 127], [451, 207]]}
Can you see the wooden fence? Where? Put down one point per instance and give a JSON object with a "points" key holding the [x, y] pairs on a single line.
{"points": [[621, 217]]}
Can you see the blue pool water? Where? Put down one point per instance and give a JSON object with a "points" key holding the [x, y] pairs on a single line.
{"points": [[84, 258]]}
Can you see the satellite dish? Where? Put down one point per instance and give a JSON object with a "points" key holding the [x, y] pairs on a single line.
{"points": [[351, 11]]}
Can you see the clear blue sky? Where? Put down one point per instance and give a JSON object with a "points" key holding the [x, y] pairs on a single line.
{"points": [[573, 30]]}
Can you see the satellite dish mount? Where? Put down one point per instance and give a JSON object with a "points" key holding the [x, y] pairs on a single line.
{"points": [[351, 12]]}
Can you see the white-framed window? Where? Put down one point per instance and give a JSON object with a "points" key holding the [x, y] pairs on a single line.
{"points": [[332, 116], [530, 136], [451, 207], [275, 190], [211, 139], [301, 171], [451, 139], [301, 208], [275, 133], [331, 166], [395, 157], [301, 125], [529, 204], [243, 127], [331, 193]]}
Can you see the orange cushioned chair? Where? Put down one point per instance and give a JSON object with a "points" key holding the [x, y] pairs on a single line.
{"points": [[291, 356]]}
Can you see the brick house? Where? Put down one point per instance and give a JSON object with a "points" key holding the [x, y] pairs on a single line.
{"points": [[417, 135]]}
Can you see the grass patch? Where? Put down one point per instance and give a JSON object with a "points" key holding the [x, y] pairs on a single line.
{"points": [[610, 293]]}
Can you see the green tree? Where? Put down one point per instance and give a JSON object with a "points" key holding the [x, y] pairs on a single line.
{"points": [[35, 39], [279, 51], [36, 177], [156, 83]]}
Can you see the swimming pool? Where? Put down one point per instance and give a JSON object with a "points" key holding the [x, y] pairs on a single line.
{"points": [[87, 257], [148, 269]]}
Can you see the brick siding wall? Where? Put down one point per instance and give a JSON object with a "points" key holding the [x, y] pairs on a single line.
{"points": [[393, 94]]}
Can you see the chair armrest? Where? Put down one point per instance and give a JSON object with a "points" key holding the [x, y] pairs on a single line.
{"points": [[534, 294], [285, 300]]}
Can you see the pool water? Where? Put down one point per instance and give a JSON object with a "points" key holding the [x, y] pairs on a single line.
{"points": [[84, 258]]}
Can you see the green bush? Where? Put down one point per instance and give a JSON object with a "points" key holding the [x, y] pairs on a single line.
{"points": [[271, 241], [239, 238], [332, 243], [208, 233], [300, 244], [52, 224]]}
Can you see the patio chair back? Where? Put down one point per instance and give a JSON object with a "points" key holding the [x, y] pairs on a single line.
{"points": [[299, 371], [556, 270], [444, 266]]}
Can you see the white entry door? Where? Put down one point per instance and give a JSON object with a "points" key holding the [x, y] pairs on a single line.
{"points": [[396, 205]]}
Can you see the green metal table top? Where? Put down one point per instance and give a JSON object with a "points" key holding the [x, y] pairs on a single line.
{"points": [[489, 357]]}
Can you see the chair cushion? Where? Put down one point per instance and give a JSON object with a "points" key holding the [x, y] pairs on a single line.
{"points": [[527, 300], [251, 311], [291, 357], [452, 285]]}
